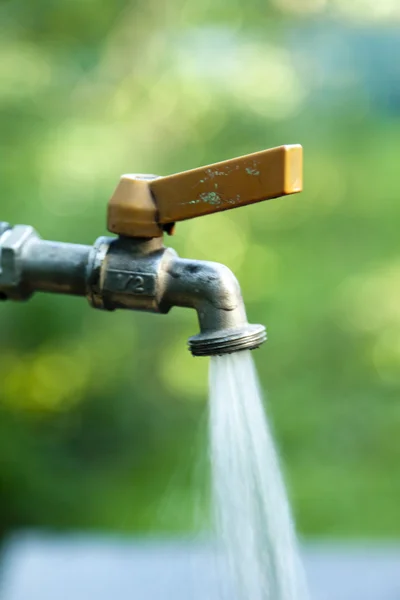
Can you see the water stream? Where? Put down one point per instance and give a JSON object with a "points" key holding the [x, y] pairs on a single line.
{"points": [[252, 515]]}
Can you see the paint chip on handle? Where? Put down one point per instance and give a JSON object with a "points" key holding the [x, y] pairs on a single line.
{"points": [[147, 207]]}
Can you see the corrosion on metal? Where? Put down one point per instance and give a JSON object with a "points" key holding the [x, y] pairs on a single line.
{"points": [[145, 206]]}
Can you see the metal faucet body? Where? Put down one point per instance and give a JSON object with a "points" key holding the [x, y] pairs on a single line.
{"points": [[130, 273], [135, 271]]}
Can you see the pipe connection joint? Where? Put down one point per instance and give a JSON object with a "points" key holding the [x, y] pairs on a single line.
{"points": [[11, 243]]}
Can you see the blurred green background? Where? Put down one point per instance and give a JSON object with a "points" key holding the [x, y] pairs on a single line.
{"points": [[103, 415]]}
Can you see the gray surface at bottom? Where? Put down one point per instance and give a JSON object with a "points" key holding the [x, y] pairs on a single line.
{"points": [[82, 568]]}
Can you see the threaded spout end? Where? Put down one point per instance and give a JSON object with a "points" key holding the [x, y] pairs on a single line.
{"points": [[227, 341]]}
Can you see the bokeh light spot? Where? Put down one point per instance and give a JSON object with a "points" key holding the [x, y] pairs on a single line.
{"points": [[184, 374], [217, 237]]}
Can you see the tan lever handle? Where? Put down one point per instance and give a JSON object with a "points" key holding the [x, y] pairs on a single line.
{"points": [[146, 206]]}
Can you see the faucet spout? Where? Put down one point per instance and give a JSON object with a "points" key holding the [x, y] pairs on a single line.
{"points": [[214, 292]]}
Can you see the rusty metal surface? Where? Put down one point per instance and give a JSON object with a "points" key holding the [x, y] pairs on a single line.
{"points": [[144, 206], [229, 184]]}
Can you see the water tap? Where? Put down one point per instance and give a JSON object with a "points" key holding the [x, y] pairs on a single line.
{"points": [[135, 270]]}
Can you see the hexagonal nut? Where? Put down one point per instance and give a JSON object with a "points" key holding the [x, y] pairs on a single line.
{"points": [[11, 261]]}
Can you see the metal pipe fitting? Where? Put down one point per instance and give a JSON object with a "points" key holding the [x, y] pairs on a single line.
{"points": [[29, 264], [130, 273]]}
